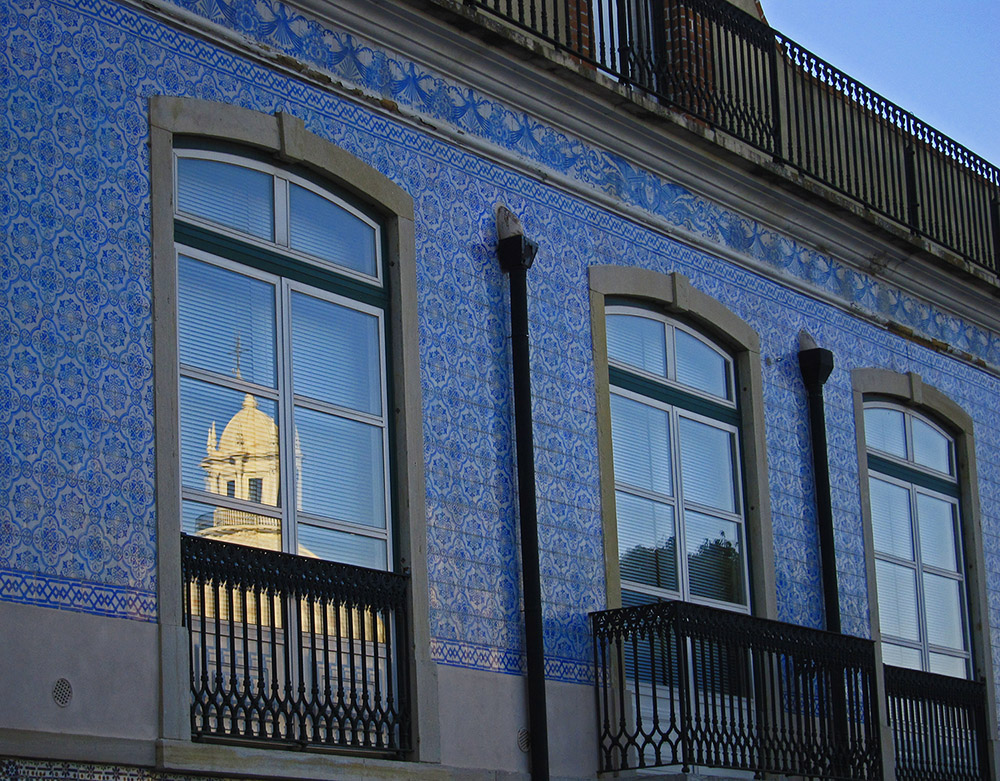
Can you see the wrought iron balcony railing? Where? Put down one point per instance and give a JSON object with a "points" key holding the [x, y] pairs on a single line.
{"points": [[716, 63], [295, 651], [939, 726], [684, 685]]}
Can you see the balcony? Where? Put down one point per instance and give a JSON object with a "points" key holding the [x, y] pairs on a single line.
{"points": [[294, 652], [938, 725], [734, 74], [686, 686]]}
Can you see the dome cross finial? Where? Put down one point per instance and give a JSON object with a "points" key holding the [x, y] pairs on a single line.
{"points": [[238, 352]]}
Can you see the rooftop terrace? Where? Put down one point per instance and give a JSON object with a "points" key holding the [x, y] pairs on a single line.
{"points": [[741, 80]]}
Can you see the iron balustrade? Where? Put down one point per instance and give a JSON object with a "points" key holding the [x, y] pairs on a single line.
{"points": [[293, 650], [688, 685], [939, 726], [723, 66]]}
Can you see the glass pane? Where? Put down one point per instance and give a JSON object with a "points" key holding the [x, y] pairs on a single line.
{"points": [[324, 229], [226, 525], [335, 354], [707, 465], [340, 467], [640, 437], [634, 598], [715, 558], [225, 322], [885, 430], [891, 527], [936, 521], [699, 366], [319, 543], [943, 602], [955, 666], [639, 342], [897, 600], [228, 436], [931, 448], [647, 543], [231, 195], [901, 656]]}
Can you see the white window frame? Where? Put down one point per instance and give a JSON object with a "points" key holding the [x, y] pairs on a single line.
{"points": [[676, 412], [283, 139], [910, 390], [287, 512], [674, 295], [281, 178], [914, 488]]}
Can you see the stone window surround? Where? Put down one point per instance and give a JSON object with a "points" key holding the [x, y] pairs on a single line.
{"points": [[285, 138], [909, 390], [673, 295]]}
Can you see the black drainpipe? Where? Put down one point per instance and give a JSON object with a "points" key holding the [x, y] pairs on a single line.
{"points": [[816, 363], [516, 254]]}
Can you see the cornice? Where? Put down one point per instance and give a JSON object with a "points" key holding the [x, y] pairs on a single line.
{"points": [[532, 77], [523, 75]]}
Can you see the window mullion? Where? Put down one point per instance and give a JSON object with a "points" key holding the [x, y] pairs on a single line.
{"points": [[281, 211], [231, 383], [642, 493], [286, 412], [669, 394], [683, 581], [918, 567], [390, 552], [908, 437], [341, 412], [671, 353], [345, 526], [212, 498]]}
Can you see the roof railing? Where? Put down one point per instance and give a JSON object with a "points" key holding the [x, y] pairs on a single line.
{"points": [[712, 61]]}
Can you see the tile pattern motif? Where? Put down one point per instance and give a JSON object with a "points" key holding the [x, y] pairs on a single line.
{"points": [[76, 444], [40, 770]]}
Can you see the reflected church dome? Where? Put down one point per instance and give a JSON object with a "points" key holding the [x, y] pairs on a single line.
{"points": [[244, 464]]}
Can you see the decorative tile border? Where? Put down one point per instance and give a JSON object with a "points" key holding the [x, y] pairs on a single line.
{"points": [[478, 657], [96, 598], [40, 770]]}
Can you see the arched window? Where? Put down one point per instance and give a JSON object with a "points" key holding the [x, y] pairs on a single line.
{"points": [[284, 427], [675, 434], [683, 470], [914, 501], [287, 412], [926, 571]]}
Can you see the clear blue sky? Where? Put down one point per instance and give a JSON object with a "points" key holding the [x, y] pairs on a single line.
{"points": [[938, 59]]}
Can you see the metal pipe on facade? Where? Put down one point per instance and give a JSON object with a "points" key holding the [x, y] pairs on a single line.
{"points": [[516, 254], [815, 364]]}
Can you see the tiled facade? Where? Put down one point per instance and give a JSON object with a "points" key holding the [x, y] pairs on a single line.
{"points": [[78, 527]]}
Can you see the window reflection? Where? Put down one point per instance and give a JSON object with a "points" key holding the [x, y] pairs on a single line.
{"points": [[914, 515], [675, 446], [283, 419]]}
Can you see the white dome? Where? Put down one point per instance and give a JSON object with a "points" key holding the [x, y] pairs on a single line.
{"points": [[249, 432]]}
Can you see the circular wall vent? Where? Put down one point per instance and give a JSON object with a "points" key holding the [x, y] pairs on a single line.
{"points": [[62, 692], [523, 740]]}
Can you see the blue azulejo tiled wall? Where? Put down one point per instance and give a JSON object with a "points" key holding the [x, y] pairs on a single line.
{"points": [[76, 449], [422, 92], [76, 527]]}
